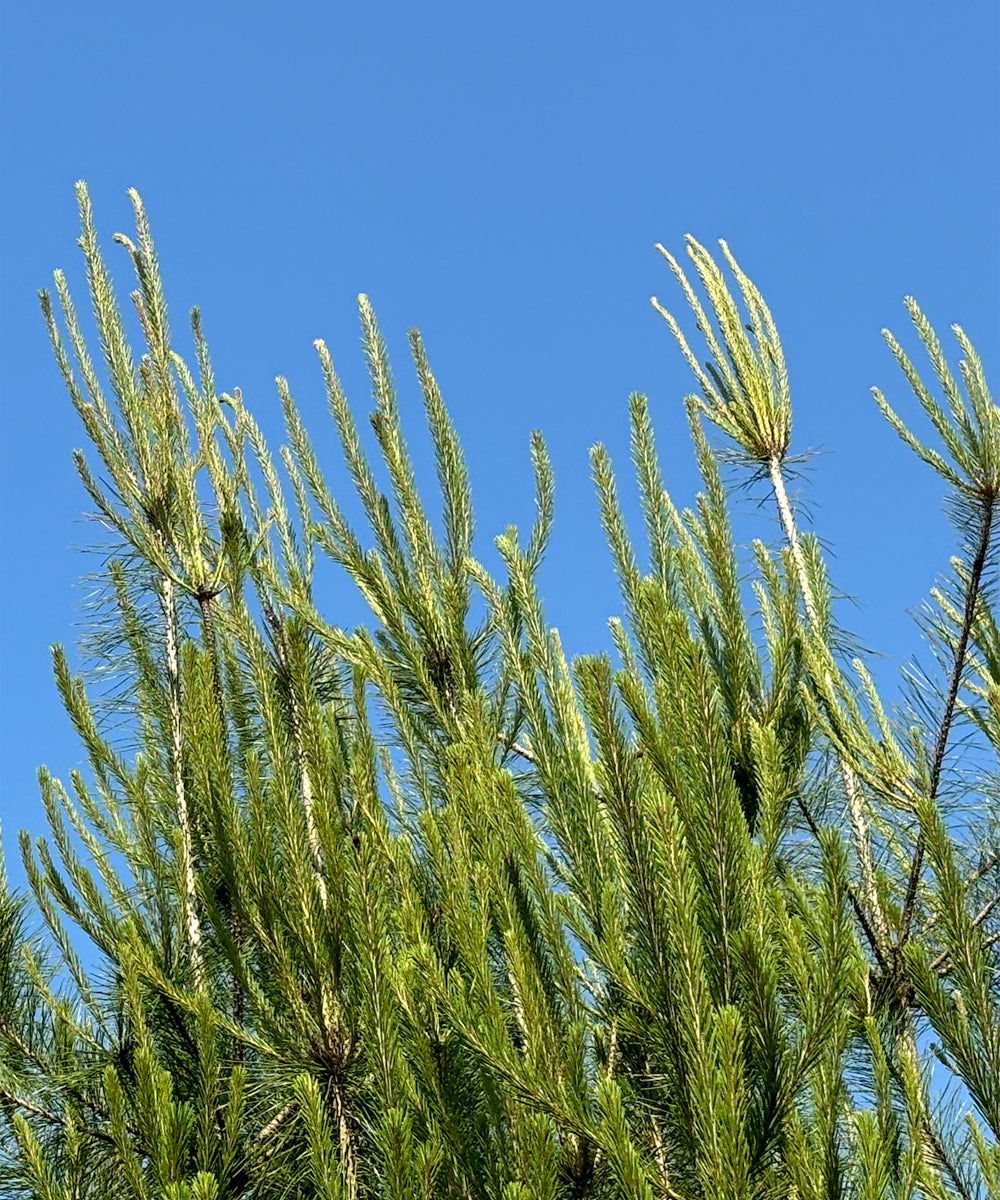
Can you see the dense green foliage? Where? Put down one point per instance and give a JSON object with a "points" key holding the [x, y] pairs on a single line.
{"points": [[424, 910]]}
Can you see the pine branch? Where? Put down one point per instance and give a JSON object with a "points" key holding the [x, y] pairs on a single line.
{"points": [[187, 866], [876, 930], [939, 963]]}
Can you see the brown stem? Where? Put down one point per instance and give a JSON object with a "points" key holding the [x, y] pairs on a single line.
{"points": [[976, 875], [939, 1150], [55, 1118], [22, 1047], [852, 895], [942, 1154], [908, 1047], [947, 717]]}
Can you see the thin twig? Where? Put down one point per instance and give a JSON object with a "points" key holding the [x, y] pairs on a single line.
{"points": [[947, 717], [976, 875], [852, 895], [53, 1118], [22, 1047], [942, 1154]]}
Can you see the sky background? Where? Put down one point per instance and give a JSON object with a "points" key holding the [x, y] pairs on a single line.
{"points": [[498, 176]]}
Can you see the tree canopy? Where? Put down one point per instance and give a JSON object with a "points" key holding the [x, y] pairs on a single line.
{"points": [[423, 909]]}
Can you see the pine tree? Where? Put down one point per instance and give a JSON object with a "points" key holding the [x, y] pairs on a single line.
{"points": [[423, 909]]}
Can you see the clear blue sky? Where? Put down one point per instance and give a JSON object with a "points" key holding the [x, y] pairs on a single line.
{"points": [[498, 175]]}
